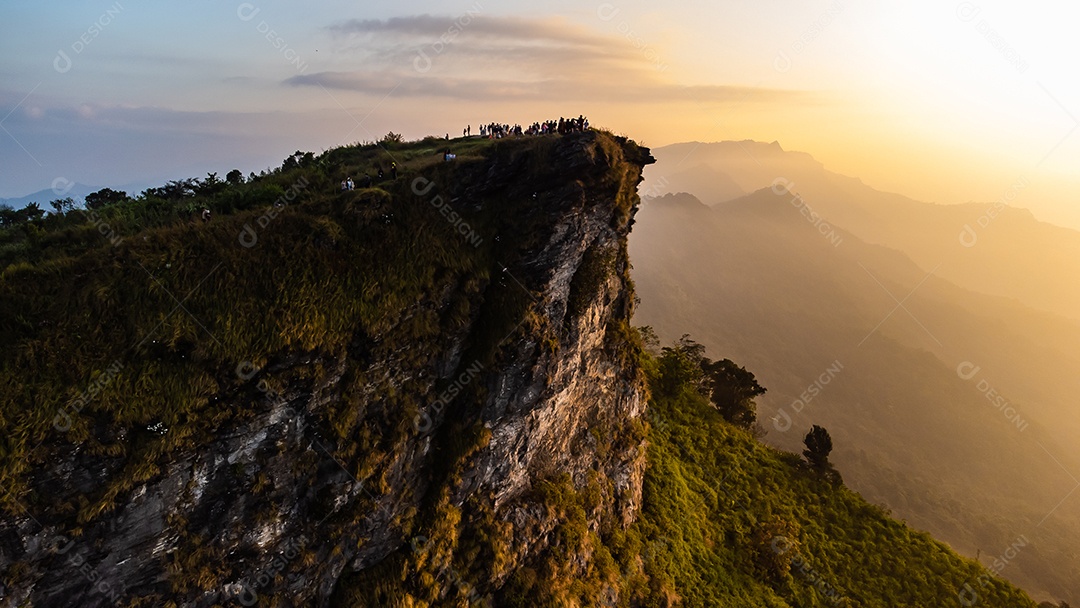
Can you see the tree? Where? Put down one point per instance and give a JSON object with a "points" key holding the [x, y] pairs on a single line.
{"points": [[649, 339], [180, 188], [234, 177], [680, 365], [174, 190], [103, 197], [62, 205], [210, 186], [732, 390], [392, 138], [9, 216], [33, 212], [818, 446], [298, 159]]}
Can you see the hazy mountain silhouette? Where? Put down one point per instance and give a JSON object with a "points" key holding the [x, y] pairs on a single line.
{"points": [[716, 186], [811, 308], [76, 191], [989, 247]]}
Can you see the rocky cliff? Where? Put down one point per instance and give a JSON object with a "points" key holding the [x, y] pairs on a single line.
{"points": [[396, 394]]}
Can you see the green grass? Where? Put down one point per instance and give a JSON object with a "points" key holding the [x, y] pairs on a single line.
{"points": [[79, 299], [128, 325], [716, 501]]}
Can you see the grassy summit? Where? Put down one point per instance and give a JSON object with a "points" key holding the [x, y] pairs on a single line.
{"points": [[138, 316], [728, 521]]}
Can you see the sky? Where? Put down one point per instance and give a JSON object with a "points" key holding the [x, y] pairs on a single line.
{"points": [[942, 101]]}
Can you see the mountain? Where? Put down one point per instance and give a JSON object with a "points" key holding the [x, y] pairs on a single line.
{"points": [[305, 398], [421, 392], [990, 247], [951, 407], [62, 189]]}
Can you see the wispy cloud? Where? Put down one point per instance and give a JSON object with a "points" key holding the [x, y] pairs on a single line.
{"points": [[518, 59], [555, 89], [516, 29]]}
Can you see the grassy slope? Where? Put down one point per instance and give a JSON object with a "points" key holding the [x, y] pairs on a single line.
{"points": [[327, 266], [715, 498]]}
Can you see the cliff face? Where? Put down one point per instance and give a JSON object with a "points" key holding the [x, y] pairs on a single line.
{"points": [[411, 452]]}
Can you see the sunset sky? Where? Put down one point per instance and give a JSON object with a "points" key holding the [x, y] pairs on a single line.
{"points": [[942, 101]]}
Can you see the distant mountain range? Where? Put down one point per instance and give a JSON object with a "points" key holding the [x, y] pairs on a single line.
{"points": [[945, 365], [77, 191], [42, 197], [989, 247]]}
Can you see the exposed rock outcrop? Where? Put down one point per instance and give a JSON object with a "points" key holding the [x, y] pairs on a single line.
{"points": [[319, 472]]}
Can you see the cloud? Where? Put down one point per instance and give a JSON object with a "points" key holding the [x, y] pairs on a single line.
{"points": [[109, 145], [540, 46], [482, 58], [405, 85], [474, 27]]}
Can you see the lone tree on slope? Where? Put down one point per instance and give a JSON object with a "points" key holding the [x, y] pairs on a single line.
{"points": [[818, 446], [732, 390]]}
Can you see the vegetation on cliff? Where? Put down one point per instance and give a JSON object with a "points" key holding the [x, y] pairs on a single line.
{"points": [[729, 521], [141, 333], [134, 322]]}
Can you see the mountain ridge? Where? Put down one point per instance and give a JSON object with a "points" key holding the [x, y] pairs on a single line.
{"points": [[756, 281]]}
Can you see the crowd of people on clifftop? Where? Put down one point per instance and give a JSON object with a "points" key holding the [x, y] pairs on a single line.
{"points": [[562, 126]]}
